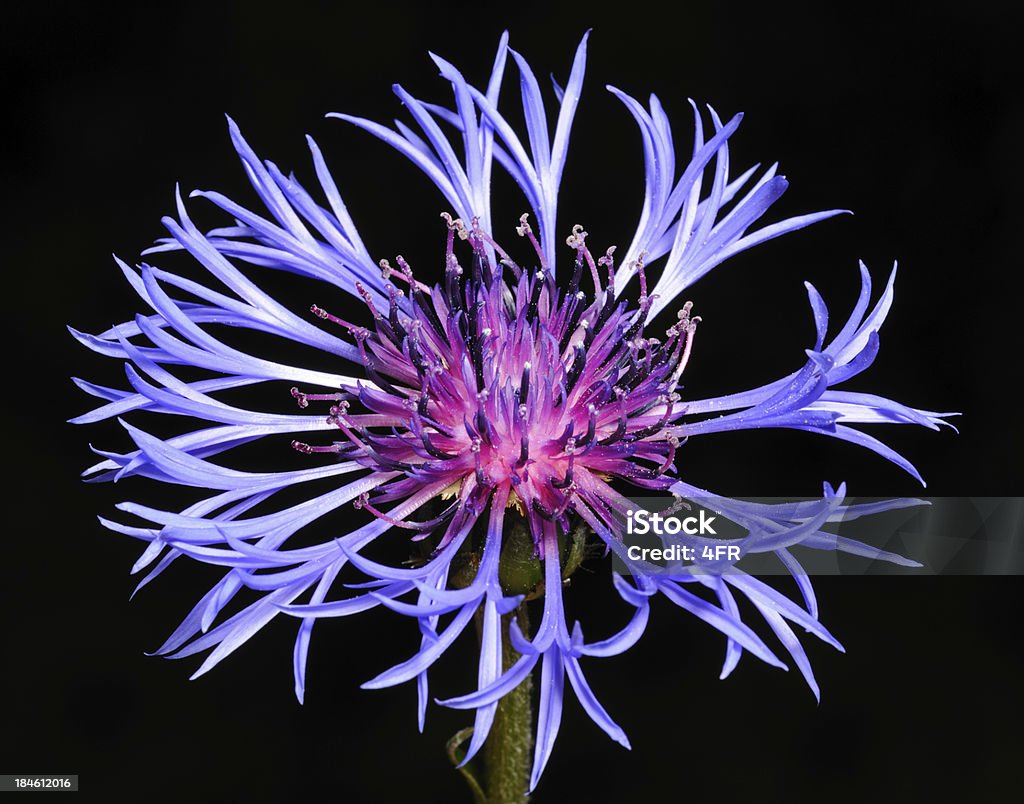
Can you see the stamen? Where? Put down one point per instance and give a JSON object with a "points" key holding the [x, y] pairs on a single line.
{"points": [[303, 400], [485, 237], [524, 386], [591, 425], [553, 515], [455, 226], [575, 303], [565, 437], [670, 459], [363, 502], [524, 452], [428, 445], [338, 419], [691, 328], [638, 266], [640, 318], [406, 274], [606, 310], [483, 426], [394, 294], [538, 284], [319, 312], [307, 449], [543, 511], [577, 240], [450, 262], [481, 478], [340, 411], [570, 492], [570, 450], [669, 403], [368, 298], [684, 320], [576, 369], [608, 259], [524, 230], [620, 430], [609, 262], [371, 371], [577, 275]]}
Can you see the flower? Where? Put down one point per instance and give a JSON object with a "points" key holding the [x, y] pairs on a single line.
{"points": [[522, 395]]}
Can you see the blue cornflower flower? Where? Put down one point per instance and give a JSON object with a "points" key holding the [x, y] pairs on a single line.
{"points": [[516, 401]]}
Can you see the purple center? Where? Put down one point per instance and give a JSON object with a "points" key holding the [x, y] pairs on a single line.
{"points": [[498, 380]]}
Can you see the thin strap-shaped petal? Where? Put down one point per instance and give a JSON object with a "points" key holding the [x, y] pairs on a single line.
{"points": [[792, 644], [717, 618], [590, 703], [549, 716]]}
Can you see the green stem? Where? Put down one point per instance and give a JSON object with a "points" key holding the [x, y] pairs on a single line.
{"points": [[510, 742]]}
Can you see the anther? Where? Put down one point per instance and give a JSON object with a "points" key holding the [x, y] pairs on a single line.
{"points": [[690, 328], [591, 425], [320, 312], [620, 430], [567, 481], [504, 258], [578, 237], [638, 266], [405, 268], [669, 404], [303, 399], [670, 458], [368, 298], [394, 294], [481, 478], [576, 369], [524, 230], [524, 452], [307, 449], [483, 426], [538, 284], [608, 259], [578, 241]]}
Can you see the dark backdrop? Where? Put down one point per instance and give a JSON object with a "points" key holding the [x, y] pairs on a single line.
{"points": [[908, 114]]}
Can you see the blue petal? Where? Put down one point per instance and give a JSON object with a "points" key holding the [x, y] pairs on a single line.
{"points": [[549, 716]]}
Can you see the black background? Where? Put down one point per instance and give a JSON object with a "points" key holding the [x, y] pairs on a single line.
{"points": [[909, 115]]}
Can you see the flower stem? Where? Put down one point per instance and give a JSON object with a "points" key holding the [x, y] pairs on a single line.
{"points": [[510, 742]]}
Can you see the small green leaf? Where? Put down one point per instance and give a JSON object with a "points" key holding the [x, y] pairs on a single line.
{"points": [[456, 754]]}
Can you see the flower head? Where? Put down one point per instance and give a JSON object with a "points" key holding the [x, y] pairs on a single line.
{"points": [[496, 402]]}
